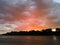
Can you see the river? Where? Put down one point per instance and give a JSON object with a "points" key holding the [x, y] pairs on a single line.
{"points": [[29, 40]]}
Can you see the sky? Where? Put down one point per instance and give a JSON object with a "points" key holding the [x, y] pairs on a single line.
{"points": [[26, 15], [58, 1]]}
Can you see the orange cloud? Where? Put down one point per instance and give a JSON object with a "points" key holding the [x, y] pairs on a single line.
{"points": [[30, 14]]}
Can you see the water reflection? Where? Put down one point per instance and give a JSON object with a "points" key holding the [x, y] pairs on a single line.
{"points": [[54, 38], [29, 40]]}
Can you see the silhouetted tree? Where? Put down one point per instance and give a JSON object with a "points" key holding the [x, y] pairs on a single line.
{"points": [[33, 32]]}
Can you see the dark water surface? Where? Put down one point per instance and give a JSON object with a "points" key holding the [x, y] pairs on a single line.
{"points": [[29, 40]]}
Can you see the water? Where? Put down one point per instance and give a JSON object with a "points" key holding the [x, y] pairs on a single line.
{"points": [[29, 40]]}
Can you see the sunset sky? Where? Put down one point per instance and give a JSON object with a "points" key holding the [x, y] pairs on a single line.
{"points": [[25, 15]]}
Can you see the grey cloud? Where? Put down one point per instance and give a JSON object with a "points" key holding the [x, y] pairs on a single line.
{"points": [[11, 10]]}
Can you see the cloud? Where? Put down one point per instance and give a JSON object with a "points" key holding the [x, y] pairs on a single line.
{"points": [[30, 14], [7, 27]]}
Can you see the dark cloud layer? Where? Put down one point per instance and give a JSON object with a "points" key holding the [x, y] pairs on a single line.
{"points": [[30, 14]]}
